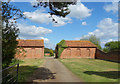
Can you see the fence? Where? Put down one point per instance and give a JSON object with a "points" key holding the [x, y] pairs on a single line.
{"points": [[10, 75]]}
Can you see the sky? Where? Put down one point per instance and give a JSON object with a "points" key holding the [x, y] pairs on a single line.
{"points": [[85, 19]]}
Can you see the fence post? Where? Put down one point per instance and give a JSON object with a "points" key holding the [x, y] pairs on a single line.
{"points": [[17, 72]]}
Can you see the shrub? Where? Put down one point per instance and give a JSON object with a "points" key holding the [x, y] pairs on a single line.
{"points": [[51, 53], [61, 46]]}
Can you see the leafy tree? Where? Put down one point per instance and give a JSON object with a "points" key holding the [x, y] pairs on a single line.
{"points": [[46, 50], [9, 32], [56, 8], [93, 39], [112, 46], [51, 53]]}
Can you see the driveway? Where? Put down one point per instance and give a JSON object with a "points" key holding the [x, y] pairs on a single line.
{"points": [[53, 71]]}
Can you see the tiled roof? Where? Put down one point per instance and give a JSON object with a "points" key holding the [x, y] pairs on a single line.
{"points": [[78, 43], [30, 42]]}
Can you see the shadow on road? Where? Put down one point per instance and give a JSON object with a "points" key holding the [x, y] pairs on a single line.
{"points": [[44, 74], [107, 74], [31, 73]]}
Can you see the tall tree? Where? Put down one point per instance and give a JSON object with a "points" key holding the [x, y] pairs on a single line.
{"points": [[9, 32], [93, 39]]}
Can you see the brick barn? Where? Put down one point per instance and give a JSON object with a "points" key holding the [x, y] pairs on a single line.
{"points": [[33, 49], [78, 49]]}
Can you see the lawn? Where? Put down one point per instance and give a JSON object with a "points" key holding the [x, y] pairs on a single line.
{"points": [[27, 67], [93, 70]]}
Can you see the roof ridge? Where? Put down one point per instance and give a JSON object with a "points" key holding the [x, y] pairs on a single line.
{"points": [[76, 40], [30, 39], [79, 43]]}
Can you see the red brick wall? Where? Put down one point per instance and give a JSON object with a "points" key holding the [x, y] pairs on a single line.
{"points": [[112, 56], [31, 53], [78, 53]]}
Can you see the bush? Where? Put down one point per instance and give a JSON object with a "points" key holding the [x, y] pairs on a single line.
{"points": [[61, 46], [16, 61], [51, 53]]}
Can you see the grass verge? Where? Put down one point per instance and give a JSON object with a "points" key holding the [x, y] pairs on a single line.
{"points": [[93, 70], [27, 67]]}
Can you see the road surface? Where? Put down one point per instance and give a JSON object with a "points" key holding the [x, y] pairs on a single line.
{"points": [[53, 71]]}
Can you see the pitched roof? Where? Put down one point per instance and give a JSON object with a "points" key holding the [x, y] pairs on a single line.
{"points": [[31, 42], [78, 43]]}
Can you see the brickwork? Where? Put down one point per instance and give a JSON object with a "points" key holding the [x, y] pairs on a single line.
{"points": [[112, 56], [33, 48], [31, 53], [78, 53]]}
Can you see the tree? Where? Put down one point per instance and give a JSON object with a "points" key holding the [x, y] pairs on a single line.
{"points": [[56, 8], [51, 53], [9, 32], [112, 46], [93, 39]]}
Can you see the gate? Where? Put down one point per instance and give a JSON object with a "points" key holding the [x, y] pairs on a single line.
{"points": [[10, 75]]}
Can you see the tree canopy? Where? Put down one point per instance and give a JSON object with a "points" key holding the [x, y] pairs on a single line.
{"points": [[9, 32], [56, 8], [51, 53], [112, 46], [93, 39], [47, 50]]}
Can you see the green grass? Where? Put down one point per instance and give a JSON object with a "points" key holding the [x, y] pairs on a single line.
{"points": [[27, 67], [93, 70]]}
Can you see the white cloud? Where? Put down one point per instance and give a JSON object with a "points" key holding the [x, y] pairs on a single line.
{"points": [[84, 23], [79, 11], [47, 43], [111, 7], [34, 2], [32, 31], [40, 17], [105, 41], [107, 30]]}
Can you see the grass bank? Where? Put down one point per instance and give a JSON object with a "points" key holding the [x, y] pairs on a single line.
{"points": [[93, 70]]}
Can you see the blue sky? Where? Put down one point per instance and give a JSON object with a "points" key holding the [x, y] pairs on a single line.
{"points": [[86, 18]]}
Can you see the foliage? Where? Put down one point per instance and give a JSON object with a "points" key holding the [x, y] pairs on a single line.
{"points": [[21, 51], [112, 46], [16, 61], [94, 40], [60, 47], [47, 50], [56, 8], [51, 53], [9, 32]]}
